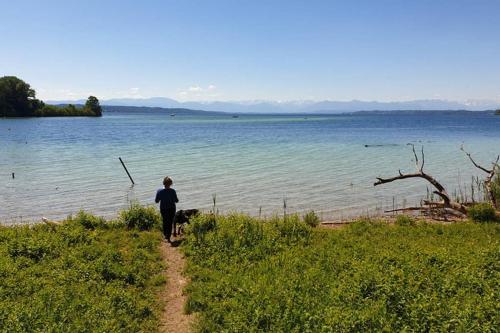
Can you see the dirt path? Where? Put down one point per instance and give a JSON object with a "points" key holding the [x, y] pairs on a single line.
{"points": [[174, 319]]}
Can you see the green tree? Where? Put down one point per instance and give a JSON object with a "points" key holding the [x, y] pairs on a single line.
{"points": [[17, 99], [93, 105]]}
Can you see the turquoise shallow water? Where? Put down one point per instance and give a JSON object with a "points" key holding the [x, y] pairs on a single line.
{"points": [[315, 162]]}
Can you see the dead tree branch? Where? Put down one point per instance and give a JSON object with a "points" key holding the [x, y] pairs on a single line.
{"points": [[439, 189], [489, 178], [407, 209]]}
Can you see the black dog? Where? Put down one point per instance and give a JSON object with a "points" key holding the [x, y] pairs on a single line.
{"points": [[182, 218]]}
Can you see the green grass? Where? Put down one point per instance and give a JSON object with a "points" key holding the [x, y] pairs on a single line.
{"points": [[249, 275], [86, 275], [283, 276]]}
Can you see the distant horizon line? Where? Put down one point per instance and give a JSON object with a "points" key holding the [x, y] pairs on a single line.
{"points": [[311, 113], [288, 101], [297, 106]]}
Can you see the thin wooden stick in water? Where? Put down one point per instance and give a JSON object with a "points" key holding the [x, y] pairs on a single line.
{"points": [[129, 176], [284, 208], [214, 200]]}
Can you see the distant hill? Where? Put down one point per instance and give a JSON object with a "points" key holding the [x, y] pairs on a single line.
{"points": [[145, 109], [300, 106]]}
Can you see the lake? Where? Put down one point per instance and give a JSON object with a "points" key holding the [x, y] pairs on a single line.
{"points": [[252, 163]]}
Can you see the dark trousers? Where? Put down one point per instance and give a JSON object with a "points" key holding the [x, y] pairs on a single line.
{"points": [[168, 220]]}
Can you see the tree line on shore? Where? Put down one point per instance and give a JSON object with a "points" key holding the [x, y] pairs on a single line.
{"points": [[18, 99]]}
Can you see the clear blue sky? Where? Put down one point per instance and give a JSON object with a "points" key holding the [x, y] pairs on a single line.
{"points": [[242, 50]]}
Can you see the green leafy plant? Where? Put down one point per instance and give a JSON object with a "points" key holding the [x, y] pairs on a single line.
{"points": [[88, 221], [405, 220], [140, 217], [482, 212], [311, 219], [201, 225]]}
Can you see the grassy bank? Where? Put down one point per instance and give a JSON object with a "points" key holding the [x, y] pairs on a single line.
{"points": [[249, 275], [85, 275], [278, 276]]}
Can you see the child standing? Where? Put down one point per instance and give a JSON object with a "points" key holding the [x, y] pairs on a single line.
{"points": [[167, 197]]}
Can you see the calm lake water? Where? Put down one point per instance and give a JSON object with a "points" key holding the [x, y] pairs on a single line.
{"points": [[252, 162]]}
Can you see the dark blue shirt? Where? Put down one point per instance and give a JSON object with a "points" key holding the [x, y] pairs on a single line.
{"points": [[167, 197]]}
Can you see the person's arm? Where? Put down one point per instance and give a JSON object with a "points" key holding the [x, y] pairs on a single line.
{"points": [[157, 199], [176, 199]]}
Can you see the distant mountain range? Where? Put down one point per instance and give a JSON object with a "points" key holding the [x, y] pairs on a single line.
{"points": [[298, 106], [156, 109]]}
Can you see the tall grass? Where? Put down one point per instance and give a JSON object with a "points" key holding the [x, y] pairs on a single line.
{"points": [[496, 187], [311, 219], [280, 275]]}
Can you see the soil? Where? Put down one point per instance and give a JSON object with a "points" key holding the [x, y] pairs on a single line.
{"points": [[174, 319]]}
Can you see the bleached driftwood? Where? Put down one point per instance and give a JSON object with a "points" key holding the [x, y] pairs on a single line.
{"points": [[446, 203], [489, 178]]}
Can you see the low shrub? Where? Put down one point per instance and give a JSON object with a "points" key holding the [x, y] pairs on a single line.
{"points": [[140, 217], [291, 229], [87, 220], [405, 220], [364, 224], [201, 224], [482, 212], [311, 219]]}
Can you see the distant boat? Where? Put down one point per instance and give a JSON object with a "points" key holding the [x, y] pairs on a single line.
{"points": [[172, 115], [236, 116]]}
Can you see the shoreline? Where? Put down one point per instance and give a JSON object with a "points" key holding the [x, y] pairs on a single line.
{"points": [[389, 217]]}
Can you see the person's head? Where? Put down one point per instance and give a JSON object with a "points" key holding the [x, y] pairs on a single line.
{"points": [[167, 182]]}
